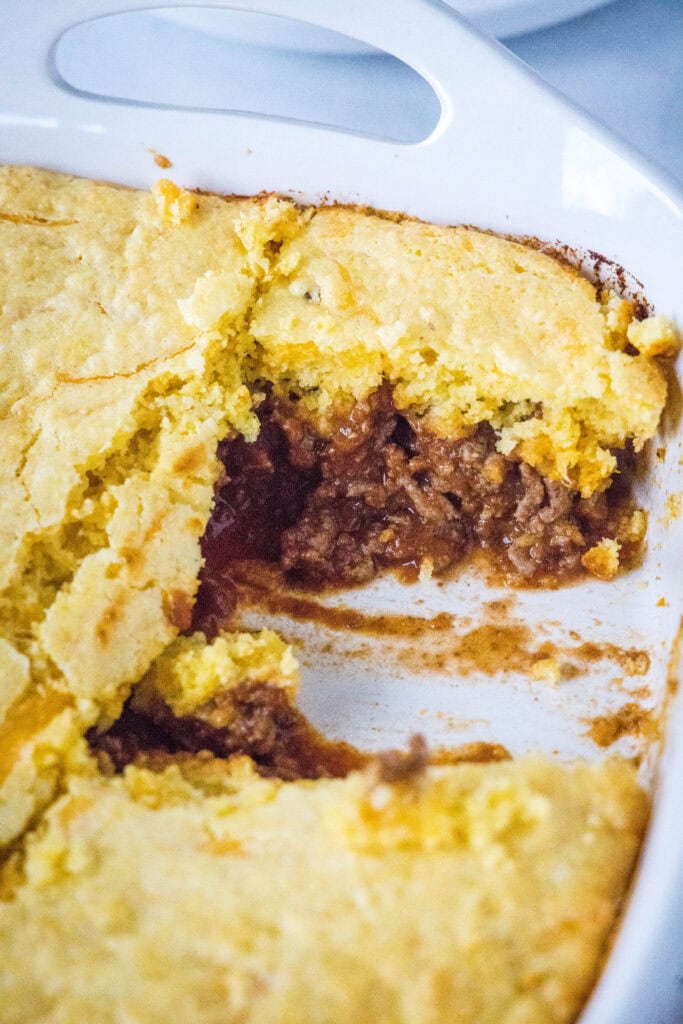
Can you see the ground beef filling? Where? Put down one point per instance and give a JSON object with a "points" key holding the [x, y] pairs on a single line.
{"points": [[257, 720], [261, 723], [382, 491]]}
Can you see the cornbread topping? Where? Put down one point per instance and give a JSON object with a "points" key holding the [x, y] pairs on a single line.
{"points": [[191, 895], [188, 380]]}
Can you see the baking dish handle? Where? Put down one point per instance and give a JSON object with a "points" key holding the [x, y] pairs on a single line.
{"points": [[425, 34]]}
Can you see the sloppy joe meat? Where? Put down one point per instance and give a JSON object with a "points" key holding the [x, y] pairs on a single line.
{"points": [[262, 725], [379, 491]]}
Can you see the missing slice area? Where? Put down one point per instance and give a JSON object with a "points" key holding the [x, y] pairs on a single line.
{"points": [[232, 696], [381, 490]]}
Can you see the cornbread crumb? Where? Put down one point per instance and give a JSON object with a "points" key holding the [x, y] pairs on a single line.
{"points": [[546, 670], [426, 569], [175, 205], [632, 527], [673, 507], [602, 560], [618, 313], [192, 671], [655, 336]]}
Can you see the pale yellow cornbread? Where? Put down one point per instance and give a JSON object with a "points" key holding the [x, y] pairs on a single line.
{"points": [[469, 328], [112, 406], [191, 672], [477, 894], [134, 327]]}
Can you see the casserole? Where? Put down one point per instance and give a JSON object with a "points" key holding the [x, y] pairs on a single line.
{"points": [[571, 183]]}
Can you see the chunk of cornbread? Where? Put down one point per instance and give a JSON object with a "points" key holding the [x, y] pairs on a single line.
{"points": [[111, 408], [482, 894], [468, 327]]}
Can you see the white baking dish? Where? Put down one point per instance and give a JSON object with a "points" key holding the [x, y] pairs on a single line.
{"points": [[507, 154]]}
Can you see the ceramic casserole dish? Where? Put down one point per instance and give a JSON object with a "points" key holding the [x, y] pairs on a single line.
{"points": [[510, 155]]}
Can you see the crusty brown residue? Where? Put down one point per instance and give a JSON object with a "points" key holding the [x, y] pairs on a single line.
{"points": [[397, 766], [478, 752], [394, 766], [629, 720], [596, 268], [162, 161]]}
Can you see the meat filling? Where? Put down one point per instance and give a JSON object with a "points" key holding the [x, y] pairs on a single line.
{"points": [[257, 720], [262, 725], [382, 491]]}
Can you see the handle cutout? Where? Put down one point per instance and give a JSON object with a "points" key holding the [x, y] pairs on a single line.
{"points": [[203, 58]]}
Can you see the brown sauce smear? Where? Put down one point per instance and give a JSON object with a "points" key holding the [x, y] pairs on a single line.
{"points": [[478, 752], [632, 661], [488, 648], [499, 644], [498, 647], [263, 591], [629, 720]]}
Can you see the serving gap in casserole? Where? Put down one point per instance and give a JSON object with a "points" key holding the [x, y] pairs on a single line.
{"points": [[383, 445]]}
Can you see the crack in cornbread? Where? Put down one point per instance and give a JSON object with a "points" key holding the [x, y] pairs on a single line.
{"points": [[137, 331]]}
